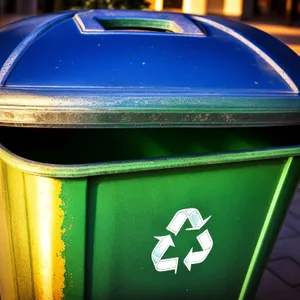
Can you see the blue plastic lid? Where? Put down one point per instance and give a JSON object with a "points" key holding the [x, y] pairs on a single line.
{"points": [[108, 68]]}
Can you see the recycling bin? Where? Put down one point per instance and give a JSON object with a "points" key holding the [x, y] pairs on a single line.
{"points": [[143, 155]]}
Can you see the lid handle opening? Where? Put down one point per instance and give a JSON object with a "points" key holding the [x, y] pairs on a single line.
{"points": [[101, 21], [140, 25]]}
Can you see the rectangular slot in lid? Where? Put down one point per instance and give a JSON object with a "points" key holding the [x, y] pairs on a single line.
{"points": [[100, 21]]}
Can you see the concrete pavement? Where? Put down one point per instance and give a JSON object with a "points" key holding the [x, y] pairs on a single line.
{"points": [[281, 279]]}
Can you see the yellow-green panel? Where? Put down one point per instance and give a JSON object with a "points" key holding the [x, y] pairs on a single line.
{"points": [[39, 222]]}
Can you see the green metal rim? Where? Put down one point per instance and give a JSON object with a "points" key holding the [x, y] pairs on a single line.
{"points": [[84, 170], [100, 108], [116, 119]]}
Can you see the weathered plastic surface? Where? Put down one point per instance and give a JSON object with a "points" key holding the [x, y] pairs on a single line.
{"points": [[99, 230], [85, 69]]}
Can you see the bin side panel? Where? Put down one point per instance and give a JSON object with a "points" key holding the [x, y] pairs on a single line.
{"points": [[39, 220], [7, 284], [18, 233], [127, 212]]}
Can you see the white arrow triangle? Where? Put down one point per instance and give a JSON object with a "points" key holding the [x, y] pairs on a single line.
{"points": [[198, 257], [162, 265], [192, 214]]}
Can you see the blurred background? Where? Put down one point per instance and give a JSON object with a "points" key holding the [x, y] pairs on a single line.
{"points": [[280, 18], [282, 11]]}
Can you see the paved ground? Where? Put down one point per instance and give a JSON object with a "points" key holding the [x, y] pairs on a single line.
{"points": [[281, 280]]}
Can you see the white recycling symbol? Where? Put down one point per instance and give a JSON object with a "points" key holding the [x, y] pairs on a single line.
{"points": [[164, 242]]}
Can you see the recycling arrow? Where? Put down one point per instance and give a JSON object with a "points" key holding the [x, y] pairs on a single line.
{"points": [[164, 242], [198, 257], [182, 215], [161, 265]]}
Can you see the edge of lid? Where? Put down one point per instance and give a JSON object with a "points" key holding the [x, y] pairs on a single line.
{"points": [[69, 108]]}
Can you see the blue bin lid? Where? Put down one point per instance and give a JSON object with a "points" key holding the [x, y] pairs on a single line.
{"points": [[110, 68]]}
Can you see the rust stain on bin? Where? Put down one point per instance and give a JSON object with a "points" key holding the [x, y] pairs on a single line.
{"points": [[46, 232]]}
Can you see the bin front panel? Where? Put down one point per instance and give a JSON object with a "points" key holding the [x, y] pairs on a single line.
{"points": [[127, 212]]}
